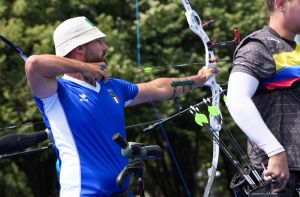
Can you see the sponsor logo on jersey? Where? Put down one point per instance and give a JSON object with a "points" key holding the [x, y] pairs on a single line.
{"points": [[83, 98]]}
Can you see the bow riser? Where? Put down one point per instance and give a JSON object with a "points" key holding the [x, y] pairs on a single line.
{"points": [[215, 121]]}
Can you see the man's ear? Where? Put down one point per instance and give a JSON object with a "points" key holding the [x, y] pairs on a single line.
{"points": [[80, 50], [280, 4]]}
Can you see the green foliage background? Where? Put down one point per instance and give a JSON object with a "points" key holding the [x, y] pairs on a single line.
{"points": [[165, 40]]}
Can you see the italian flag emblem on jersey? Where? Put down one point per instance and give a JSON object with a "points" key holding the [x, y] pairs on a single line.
{"points": [[116, 99], [113, 95]]}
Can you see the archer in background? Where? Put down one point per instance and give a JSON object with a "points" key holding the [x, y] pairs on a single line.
{"points": [[83, 109], [264, 94]]}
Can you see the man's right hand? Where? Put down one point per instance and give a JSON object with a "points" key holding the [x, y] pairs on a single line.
{"points": [[96, 71], [278, 169]]}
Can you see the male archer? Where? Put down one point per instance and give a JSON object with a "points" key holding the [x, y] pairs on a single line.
{"points": [[264, 94], [83, 109]]}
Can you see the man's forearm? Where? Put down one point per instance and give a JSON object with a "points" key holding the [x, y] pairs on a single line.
{"points": [[184, 85], [241, 88], [161, 89], [50, 65]]}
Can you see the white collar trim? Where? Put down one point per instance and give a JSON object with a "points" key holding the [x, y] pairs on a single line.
{"points": [[83, 83]]}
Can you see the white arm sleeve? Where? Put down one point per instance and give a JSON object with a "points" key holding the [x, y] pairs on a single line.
{"points": [[241, 88]]}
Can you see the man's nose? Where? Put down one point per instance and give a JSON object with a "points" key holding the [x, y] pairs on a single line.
{"points": [[105, 47]]}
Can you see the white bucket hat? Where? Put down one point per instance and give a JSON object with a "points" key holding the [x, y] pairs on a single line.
{"points": [[74, 32]]}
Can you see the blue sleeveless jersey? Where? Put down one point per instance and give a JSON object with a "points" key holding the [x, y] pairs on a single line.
{"points": [[82, 120]]}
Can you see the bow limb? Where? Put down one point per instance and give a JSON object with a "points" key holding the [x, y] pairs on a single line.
{"points": [[195, 25], [215, 126]]}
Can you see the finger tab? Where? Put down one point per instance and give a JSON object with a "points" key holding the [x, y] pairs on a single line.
{"points": [[102, 67]]}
